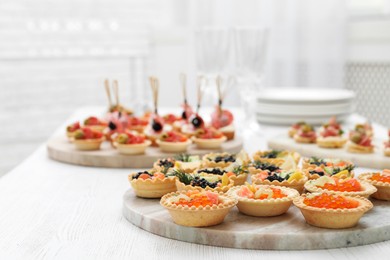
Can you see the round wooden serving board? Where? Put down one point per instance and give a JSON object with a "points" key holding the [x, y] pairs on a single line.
{"points": [[60, 149], [285, 232]]}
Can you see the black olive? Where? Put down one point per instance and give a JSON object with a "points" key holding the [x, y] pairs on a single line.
{"points": [[112, 126], [197, 121], [157, 126], [184, 115]]}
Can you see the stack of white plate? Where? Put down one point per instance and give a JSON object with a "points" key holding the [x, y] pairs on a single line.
{"points": [[285, 106]]}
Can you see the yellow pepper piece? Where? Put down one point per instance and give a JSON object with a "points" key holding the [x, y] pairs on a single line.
{"points": [[343, 174], [295, 176], [225, 180]]}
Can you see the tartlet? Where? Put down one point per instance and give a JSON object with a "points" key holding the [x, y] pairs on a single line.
{"points": [[86, 139], [276, 157], [252, 202], [225, 159], [95, 123], [258, 166], [315, 161], [187, 163], [237, 173], [347, 187], [222, 120], [138, 124], [209, 212], [334, 218], [164, 164], [208, 138], [289, 179], [131, 143], [173, 142], [331, 135], [381, 181], [217, 183], [151, 184], [294, 128], [360, 140], [71, 129]]}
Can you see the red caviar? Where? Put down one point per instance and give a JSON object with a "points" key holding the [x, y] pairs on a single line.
{"points": [[343, 185], [276, 194], [380, 177], [198, 199], [329, 201]]}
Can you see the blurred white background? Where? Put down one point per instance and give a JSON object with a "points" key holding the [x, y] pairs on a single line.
{"points": [[54, 55]]}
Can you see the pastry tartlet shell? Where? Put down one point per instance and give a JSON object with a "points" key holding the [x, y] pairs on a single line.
{"points": [[333, 218], [173, 147], [132, 149], [296, 185], [383, 188], [152, 188], [209, 143], [368, 189], [87, 144], [182, 187], [266, 207], [198, 216]]}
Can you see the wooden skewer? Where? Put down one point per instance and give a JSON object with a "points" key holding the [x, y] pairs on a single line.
{"points": [[107, 87], [220, 97], [116, 92], [200, 93], [183, 80], [154, 83]]}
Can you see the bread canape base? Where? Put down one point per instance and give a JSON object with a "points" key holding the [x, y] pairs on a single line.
{"points": [[198, 216], [297, 185], [303, 140], [132, 149], [152, 188], [333, 218], [331, 142], [87, 144], [367, 190], [355, 148], [265, 207], [383, 188], [209, 143], [173, 147]]}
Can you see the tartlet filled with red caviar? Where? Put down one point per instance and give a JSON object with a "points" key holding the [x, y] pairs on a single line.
{"points": [[381, 181], [305, 134], [95, 123], [131, 143], [334, 211], [316, 167], [263, 200], [173, 142], [86, 139], [334, 185], [71, 129], [204, 181], [208, 138], [331, 135], [151, 183], [294, 179], [326, 162], [194, 208]]}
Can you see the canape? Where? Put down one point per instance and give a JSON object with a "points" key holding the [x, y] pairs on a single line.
{"points": [[218, 183], [225, 159], [258, 166], [334, 185], [86, 139], [289, 179], [294, 128], [187, 163], [152, 184], [173, 142], [71, 129], [360, 140], [138, 124], [222, 120], [263, 200], [316, 167], [305, 134], [331, 135], [326, 162], [208, 138], [276, 157], [164, 164], [237, 173], [131, 143], [331, 210], [381, 181], [195, 208], [387, 146], [95, 123]]}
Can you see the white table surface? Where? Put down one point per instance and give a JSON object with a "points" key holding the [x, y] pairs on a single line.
{"points": [[51, 210]]}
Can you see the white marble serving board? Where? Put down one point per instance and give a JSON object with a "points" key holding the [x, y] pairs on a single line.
{"points": [[60, 149], [376, 160], [285, 232]]}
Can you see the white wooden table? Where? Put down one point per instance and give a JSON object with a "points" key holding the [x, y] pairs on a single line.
{"points": [[50, 210]]}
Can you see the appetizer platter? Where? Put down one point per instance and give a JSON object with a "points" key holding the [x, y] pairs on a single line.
{"points": [[120, 139], [271, 200], [360, 145]]}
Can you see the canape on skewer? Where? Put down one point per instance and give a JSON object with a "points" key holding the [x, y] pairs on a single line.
{"points": [[208, 138], [86, 139], [131, 143], [115, 107], [173, 142], [187, 109]]}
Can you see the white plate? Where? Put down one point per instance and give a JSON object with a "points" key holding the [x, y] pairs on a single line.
{"points": [[309, 110], [304, 95], [289, 120]]}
